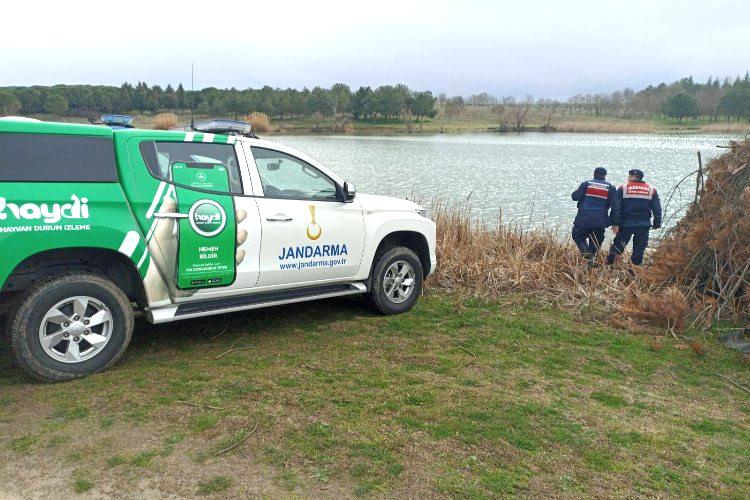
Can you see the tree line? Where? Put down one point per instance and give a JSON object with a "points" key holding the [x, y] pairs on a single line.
{"points": [[716, 99], [384, 102]]}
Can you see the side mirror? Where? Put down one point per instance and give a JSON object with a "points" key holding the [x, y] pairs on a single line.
{"points": [[349, 192]]}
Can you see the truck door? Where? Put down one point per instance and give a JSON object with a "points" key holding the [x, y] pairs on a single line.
{"points": [[203, 234], [309, 234]]}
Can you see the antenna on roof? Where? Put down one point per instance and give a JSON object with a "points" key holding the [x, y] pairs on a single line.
{"points": [[192, 93]]}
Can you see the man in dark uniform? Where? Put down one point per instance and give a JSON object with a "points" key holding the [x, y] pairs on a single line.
{"points": [[639, 202], [595, 200]]}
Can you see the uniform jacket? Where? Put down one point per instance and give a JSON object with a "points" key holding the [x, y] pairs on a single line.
{"points": [[638, 203], [596, 198]]}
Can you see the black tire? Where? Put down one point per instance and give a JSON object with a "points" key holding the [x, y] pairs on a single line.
{"points": [[377, 296], [25, 323]]}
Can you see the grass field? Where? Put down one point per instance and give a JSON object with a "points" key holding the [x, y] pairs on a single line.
{"points": [[457, 398]]}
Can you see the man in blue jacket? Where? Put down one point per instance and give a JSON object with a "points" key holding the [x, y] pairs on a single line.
{"points": [[639, 202], [596, 198]]}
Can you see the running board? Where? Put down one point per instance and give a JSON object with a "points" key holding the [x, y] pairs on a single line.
{"points": [[252, 301]]}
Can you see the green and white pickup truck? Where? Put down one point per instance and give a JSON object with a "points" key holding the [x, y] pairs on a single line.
{"points": [[96, 223]]}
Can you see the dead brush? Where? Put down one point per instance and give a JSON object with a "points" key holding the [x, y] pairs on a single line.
{"points": [[165, 121], [706, 256], [506, 260], [668, 308]]}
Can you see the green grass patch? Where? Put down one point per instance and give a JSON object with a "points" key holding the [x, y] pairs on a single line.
{"points": [[351, 403], [664, 478], [115, 461], [709, 427], [144, 458], [204, 422], [23, 444], [81, 482], [608, 399], [216, 484]]}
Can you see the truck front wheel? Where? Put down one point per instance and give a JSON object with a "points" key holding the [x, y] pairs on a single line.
{"points": [[71, 326], [396, 281]]}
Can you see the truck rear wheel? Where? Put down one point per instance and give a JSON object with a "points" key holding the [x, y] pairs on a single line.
{"points": [[396, 281], [70, 327]]}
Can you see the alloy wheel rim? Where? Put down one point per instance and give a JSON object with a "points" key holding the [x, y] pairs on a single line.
{"points": [[75, 329], [399, 281]]}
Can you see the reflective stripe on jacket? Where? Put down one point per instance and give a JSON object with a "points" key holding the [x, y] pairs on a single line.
{"points": [[595, 199], [639, 202]]}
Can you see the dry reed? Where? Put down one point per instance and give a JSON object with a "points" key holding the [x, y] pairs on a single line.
{"points": [[165, 121], [343, 125], [607, 127], [489, 262], [727, 128], [260, 122]]}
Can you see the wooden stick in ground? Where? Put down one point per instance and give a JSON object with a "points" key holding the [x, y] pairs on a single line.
{"points": [[220, 333], [698, 179], [237, 443], [738, 385], [201, 405], [233, 350], [465, 349]]}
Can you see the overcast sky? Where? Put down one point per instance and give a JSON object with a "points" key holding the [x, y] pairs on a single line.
{"points": [[545, 48]]}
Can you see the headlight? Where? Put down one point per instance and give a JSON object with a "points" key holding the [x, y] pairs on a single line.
{"points": [[423, 212]]}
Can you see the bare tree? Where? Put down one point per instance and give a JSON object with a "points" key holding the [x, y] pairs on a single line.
{"points": [[502, 116], [521, 112], [550, 111], [454, 106], [485, 99], [474, 101]]}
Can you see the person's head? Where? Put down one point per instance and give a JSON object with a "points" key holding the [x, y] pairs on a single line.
{"points": [[600, 173], [635, 175]]}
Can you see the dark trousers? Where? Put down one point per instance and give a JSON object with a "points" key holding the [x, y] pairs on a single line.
{"points": [[640, 242], [588, 240]]}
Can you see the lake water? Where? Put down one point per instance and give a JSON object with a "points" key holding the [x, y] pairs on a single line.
{"points": [[529, 176]]}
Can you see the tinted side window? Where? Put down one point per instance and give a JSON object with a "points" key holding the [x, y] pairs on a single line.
{"points": [[56, 158], [161, 156], [284, 176]]}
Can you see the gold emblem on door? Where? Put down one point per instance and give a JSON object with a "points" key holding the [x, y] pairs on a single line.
{"points": [[313, 230]]}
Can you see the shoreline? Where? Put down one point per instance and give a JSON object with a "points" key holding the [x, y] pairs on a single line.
{"points": [[305, 127], [397, 132]]}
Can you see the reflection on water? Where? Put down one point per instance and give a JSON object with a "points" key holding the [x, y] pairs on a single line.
{"points": [[529, 176]]}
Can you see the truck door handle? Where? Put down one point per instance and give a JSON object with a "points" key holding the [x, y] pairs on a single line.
{"points": [[170, 215], [279, 218]]}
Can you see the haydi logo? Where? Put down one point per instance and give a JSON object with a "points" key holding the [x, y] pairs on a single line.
{"points": [[207, 218], [51, 214]]}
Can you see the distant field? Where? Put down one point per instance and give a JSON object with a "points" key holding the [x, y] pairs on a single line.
{"points": [[457, 398], [470, 120]]}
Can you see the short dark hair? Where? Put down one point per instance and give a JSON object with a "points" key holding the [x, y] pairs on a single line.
{"points": [[600, 173], [636, 173]]}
